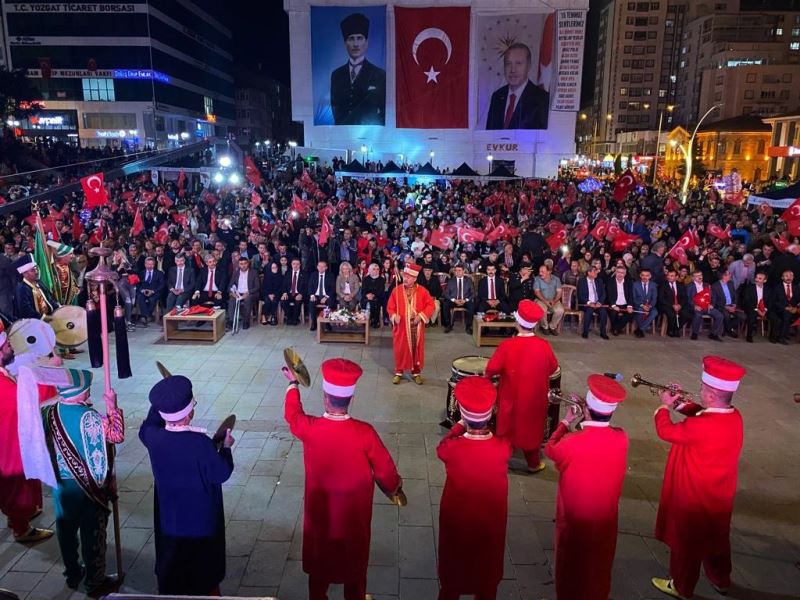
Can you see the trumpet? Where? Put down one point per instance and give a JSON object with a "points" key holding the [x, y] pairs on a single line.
{"points": [[556, 397], [656, 388]]}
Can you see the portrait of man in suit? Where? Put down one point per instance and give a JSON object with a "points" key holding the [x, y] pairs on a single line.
{"points": [[358, 88], [520, 104]]}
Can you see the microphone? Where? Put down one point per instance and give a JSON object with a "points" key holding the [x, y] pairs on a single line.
{"points": [[615, 376]]}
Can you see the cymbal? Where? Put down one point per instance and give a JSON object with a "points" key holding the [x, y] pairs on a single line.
{"points": [[296, 366], [32, 335], [222, 430], [69, 325]]}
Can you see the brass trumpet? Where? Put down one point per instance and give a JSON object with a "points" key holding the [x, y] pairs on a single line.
{"points": [[656, 388], [556, 397]]}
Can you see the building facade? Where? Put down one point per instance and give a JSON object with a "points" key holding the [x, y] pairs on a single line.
{"points": [[263, 109], [784, 147], [139, 73]]}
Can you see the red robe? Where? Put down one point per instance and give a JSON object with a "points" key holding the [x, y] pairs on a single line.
{"points": [[409, 356], [524, 364], [591, 464], [694, 512], [343, 460], [472, 516]]}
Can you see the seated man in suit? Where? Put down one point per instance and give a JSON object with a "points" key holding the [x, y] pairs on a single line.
{"points": [[619, 292], [180, 283], [492, 292], [295, 288], [210, 284], [755, 301], [672, 304], [520, 104], [151, 283], [784, 309], [459, 293], [698, 295], [321, 290], [591, 297], [723, 298], [244, 288], [645, 297]]}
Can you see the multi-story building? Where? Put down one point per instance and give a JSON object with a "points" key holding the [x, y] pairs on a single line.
{"points": [[784, 148], [741, 62], [635, 73], [139, 72], [263, 109]]}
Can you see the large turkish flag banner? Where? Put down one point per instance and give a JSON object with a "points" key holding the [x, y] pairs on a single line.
{"points": [[432, 83]]}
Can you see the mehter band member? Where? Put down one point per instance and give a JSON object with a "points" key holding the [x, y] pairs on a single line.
{"points": [[410, 308]]}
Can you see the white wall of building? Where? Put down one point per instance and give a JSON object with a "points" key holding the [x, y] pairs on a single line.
{"points": [[536, 152]]}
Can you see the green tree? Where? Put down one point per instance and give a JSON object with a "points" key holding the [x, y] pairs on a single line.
{"points": [[18, 97]]}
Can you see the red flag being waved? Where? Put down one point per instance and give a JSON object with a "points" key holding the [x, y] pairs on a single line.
{"points": [[251, 171], [213, 225], [325, 231], [502, 231], [432, 78], [734, 198], [138, 224], [600, 230], [440, 239], [702, 300], [77, 228], [622, 240], [469, 235], [555, 226], [613, 231], [686, 242], [95, 190], [558, 239], [162, 233], [181, 179], [792, 213], [718, 232], [581, 231], [255, 199], [624, 185], [147, 197], [671, 206]]}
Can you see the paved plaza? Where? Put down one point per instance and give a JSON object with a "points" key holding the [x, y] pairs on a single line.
{"points": [[263, 499]]}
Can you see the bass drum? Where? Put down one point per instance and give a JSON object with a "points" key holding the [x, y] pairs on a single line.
{"points": [[553, 409], [462, 367]]}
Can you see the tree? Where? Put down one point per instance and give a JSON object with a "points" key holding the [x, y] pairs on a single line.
{"points": [[18, 97]]}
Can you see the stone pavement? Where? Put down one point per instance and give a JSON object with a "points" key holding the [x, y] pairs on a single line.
{"points": [[263, 499]]}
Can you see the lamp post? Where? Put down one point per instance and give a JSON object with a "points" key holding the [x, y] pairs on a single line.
{"points": [[687, 153], [292, 145], [363, 153], [670, 108], [432, 154], [490, 158]]}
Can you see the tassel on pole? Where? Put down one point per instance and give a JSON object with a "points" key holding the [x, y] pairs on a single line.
{"points": [[94, 330], [121, 341]]}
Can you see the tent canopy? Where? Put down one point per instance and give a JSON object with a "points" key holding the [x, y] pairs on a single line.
{"points": [[391, 167], [354, 167], [427, 169], [465, 171], [501, 171]]}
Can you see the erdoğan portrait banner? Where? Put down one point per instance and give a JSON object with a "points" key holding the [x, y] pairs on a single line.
{"points": [[515, 70], [432, 54]]}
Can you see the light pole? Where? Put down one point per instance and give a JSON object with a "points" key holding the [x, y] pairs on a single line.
{"points": [[292, 145], [687, 153], [363, 153], [670, 108], [490, 158], [432, 154]]}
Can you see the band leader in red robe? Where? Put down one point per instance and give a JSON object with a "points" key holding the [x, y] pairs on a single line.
{"points": [[344, 458], [694, 512], [524, 364], [591, 463], [472, 515], [408, 339]]}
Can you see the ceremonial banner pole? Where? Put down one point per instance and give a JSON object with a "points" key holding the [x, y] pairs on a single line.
{"points": [[102, 275]]}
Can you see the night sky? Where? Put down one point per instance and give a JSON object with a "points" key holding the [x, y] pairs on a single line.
{"points": [[261, 35]]}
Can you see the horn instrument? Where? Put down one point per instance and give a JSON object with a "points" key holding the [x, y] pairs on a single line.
{"points": [[556, 397], [656, 388]]}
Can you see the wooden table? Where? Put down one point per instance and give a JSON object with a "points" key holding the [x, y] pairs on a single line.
{"points": [[339, 331], [479, 328], [186, 329]]}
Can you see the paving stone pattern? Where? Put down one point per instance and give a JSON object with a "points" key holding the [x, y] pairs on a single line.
{"points": [[263, 499]]}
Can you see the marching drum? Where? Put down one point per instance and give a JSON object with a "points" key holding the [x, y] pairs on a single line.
{"points": [[553, 410], [462, 367]]}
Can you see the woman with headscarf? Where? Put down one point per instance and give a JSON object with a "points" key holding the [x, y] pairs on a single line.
{"points": [[271, 293], [371, 294]]}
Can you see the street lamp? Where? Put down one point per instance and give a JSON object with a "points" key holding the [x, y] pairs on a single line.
{"points": [[225, 161], [363, 153], [490, 158], [670, 108], [687, 153], [292, 145], [432, 154]]}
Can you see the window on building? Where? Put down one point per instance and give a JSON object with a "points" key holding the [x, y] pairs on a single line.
{"points": [[747, 109], [623, 91], [655, 6], [767, 94], [98, 89], [796, 32], [629, 35], [751, 78], [640, 21], [779, 31], [208, 105], [647, 92], [662, 93], [717, 96], [762, 146], [626, 63], [625, 77], [719, 80], [651, 35], [634, 105], [628, 21], [651, 49], [642, 6], [649, 63], [794, 46], [622, 118], [648, 77], [631, 5], [627, 49], [652, 20], [640, 36], [114, 121], [784, 95], [637, 77], [623, 105], [748, 94], [737, 147], [787, 78]]}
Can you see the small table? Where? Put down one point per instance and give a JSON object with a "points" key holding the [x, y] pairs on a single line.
{"points": [[479, 327], [195, 328], [330, 330]]}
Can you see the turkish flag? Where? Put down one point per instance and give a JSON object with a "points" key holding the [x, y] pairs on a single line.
{"points": [[502, 231], [765, 209], [77, 228], [251, 171], [718, 232], [794, 227], [255, 223], [181, 179], [781, 243], [613, 231], [138, 224], [162, 233], [213, 224], [557, 239], [600, 230], [326, 211], [671, 206], [440, 239], [624, 185], [471, 210], [325, 231], [622, 240], [165, 200], [686, 242], [702, 300], [792, 213], [469, 235], [581, 231], [255, 199], [545, 74], [555, 226], [95, 190], [432, 77], [148, 196], [734, 198]]}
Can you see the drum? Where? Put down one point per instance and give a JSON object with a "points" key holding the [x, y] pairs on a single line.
{"points": [[553, 410], [462, 367]]}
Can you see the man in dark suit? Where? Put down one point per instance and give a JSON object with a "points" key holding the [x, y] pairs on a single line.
{"points": [[180, 283], [151, 284], [8, 277], [645, 297], [619, 292], [245, 288], [459, 293], [32, 300], [358, 88], [519, 104], [591, 297], [295, 288], [211, 283], [784, 309], [673, 305], [492, 292], [755, 300], [723, 298], [321, 290]]}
